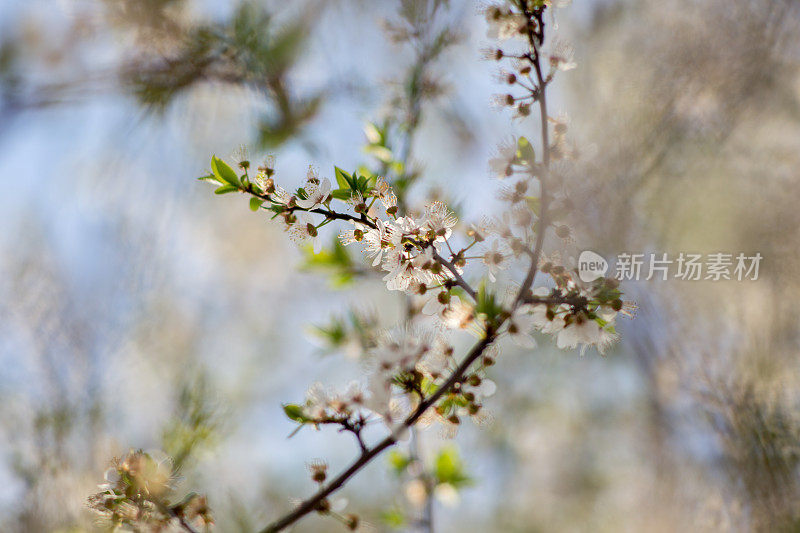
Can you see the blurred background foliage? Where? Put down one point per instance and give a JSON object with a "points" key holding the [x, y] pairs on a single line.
{"points": [[138, 311]]}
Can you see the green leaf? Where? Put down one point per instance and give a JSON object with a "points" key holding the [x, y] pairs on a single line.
{"points": [[210, 178], [374, 135], [295, 412], [344, 179], [398, 461], [525, 151], [341, 194], [333, 335], [225, 189], [394, 518], [255, 203], [380, 153], [448, 468], [224, 173], [364, 183], [487, 303]]}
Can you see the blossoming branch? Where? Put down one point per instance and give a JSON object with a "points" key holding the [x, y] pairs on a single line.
{"points": [[450, 274]]}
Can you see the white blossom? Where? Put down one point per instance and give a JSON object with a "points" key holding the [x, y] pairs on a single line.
{"points": [[495, 260], [305, 229], [280, 196], [405, 270], [376, 241], [317, 192], [500, 163], [561, 56], [458, 315], [385, 194], [504, 23], [520, 326], [356, 234], [440, 220], [584, 333]]}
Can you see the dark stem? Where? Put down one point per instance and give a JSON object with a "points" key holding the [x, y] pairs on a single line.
{"points": [[425, 521], [313, 503], [453, 270], [533, 39]]}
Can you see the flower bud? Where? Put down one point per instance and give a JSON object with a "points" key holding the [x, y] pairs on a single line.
{"points": [[476, 235], [323, 507], [351, 521], [319, 471]]}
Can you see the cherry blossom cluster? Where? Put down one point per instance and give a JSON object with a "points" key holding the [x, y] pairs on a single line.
{"points": [[406, 247], [579, 314], [136, 494]]}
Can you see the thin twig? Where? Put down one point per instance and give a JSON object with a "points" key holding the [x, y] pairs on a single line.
{"points": [[458, 277], [535, 59]]}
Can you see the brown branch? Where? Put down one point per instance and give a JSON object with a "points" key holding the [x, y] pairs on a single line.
{"points": [[458, 277], [313, 503], [533, 38]]}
